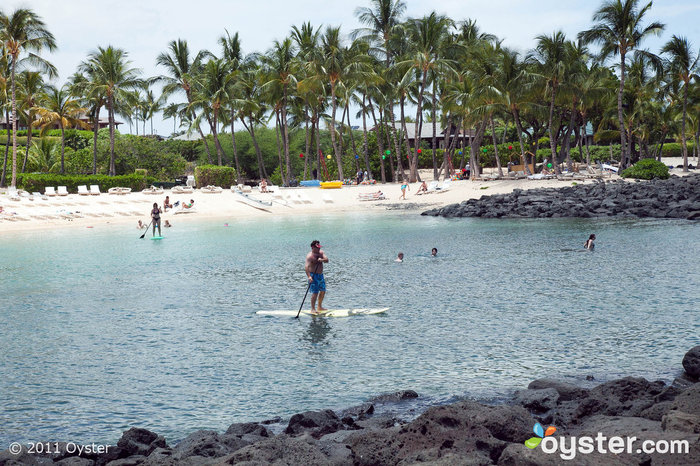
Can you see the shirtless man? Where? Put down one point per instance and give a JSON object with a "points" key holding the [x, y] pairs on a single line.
{"points": [[314, 272]]}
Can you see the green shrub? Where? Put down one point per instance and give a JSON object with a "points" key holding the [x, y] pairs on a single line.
{"points": [[206, 175], [646, 169], [34, 182]]}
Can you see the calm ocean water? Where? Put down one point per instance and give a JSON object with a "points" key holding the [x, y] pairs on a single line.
{"points": [[101, 331]]}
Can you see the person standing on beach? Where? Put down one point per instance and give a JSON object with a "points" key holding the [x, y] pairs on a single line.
{"points": [[155, 218], [404, 187], [589, 243], [314, 273]]}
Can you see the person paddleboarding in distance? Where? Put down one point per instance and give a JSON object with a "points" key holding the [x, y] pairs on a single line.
{"points": [[314, 272], [589, 243], [155, 217]]}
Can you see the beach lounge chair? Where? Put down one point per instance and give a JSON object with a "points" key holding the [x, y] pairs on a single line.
{"points": [[185, 189], [152, 190], [38, 195], [50, 191], [371, 196], [95, 190], [83, 191], [445, 186], [213, 189], [62, 191]]}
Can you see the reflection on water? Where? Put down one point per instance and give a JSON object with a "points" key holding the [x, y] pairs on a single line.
{"points": [[317, 331], [100, 331]]}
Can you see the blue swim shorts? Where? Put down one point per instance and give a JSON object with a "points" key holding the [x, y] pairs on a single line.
{"points": [[318, 283]]}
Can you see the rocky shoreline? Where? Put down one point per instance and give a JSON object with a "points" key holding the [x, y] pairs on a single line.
{"points": [[460, 433], [677, 197]]}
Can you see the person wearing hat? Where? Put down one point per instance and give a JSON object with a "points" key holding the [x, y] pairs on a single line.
{"points": [[314, 272]]}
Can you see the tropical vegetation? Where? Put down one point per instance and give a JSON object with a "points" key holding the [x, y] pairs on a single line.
{"points": [[287, 113]]}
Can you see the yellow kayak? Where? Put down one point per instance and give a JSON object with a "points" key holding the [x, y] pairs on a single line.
{"points": [[331, 184]]}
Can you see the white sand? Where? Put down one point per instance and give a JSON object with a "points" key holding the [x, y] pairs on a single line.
{"points": [[76, 211]]}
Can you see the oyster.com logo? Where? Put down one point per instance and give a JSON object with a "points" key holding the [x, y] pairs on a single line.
{"points": [[533, 442]]}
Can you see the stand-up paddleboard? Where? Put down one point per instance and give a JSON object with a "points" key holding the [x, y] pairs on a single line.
{"points": [[328, 313], [158, 237]]}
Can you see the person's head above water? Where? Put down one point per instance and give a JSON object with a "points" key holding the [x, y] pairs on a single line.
{"points": [[316, 244], [592, 236], [433, 252]]}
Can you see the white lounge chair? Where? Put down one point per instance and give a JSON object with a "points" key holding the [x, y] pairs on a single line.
{"points": [[378, 196], [50, 191], [82, 190], [62, 191], [184, 189], [95, 190], [39, 195], [212, 189], [445, 186]]}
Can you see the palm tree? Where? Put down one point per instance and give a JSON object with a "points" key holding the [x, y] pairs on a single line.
{"points": [[280, 79], [23, 31], [683, 67], [115, 79], [59, 107], [619, 30], [44, 155], [30, 86], [550, 58], [427, 36], [232, 53], [180, 78], [210, 95]]}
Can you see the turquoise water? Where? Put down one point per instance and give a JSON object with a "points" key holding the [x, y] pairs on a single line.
{"points": [[100, 331]]}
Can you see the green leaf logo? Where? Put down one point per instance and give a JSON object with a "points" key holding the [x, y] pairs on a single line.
{"points": [[532, 442]]}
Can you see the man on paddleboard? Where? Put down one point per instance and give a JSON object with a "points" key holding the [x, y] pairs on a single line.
{"points": [[314, 272]]}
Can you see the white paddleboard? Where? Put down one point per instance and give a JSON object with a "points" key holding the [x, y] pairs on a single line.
{"points": [[328, 313]]}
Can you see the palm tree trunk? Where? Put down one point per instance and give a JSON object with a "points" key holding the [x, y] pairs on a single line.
{"points": [[419, 128], [29, 143], [552, 139], [285, 180], [683, 139], [13, 182], [402, 106], [474, 166], [380, 146], [620, 116], [495, 146], [307, 141], [334, 104], [352, 137], [365, 145], [318, 143], [7, 151], [235, 149], [110, 104], [95, 130], [434, 141], [63, 149], [585, 137], [262, 173], [285, 136], [519, 126]]}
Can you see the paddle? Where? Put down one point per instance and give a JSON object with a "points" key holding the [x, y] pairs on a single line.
{"points": [[146, 230], [307, 292]]}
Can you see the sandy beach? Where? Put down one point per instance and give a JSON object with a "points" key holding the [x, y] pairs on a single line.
{"points": [[93, 211]]}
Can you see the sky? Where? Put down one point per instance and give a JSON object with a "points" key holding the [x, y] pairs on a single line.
{"points": [[145, 27]]}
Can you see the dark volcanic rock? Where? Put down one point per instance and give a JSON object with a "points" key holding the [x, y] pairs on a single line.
{"points": [[136, 441], [208, 444], [394, 397], [537, 401], [281, 449], [629, 396], [567, 391], [691, 363], [317, 423], [470, 432], [673, 198]]}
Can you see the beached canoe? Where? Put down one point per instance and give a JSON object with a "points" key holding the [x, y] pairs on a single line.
{"points": [[331, 184]]}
